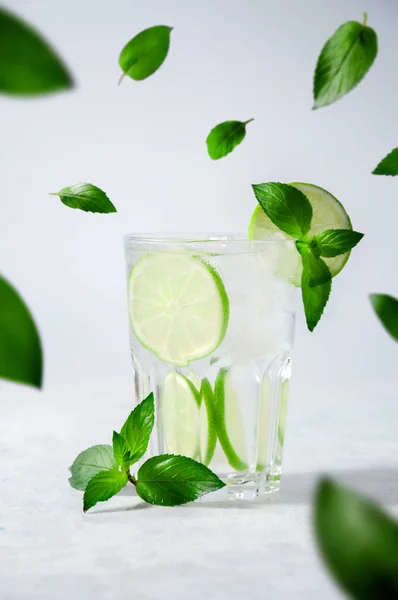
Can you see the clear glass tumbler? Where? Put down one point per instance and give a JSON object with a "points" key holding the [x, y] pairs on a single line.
{"points": [[211, 333]]}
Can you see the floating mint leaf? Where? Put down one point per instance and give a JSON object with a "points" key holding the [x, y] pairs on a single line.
{"points": [[286, 206], [389, 164], [386, 308], [145, 53], [170, 480], [223, 138], [103, 486], [315, 297], [344, 61], [28, 65], [21, 358], [121, 450], [138, 428], [333, 242], [90, 462], [87, 197], [358, 542]]}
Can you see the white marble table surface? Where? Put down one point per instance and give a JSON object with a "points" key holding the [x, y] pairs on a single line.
{"points": [[50, 550]]}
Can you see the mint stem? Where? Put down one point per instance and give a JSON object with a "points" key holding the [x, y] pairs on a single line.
{"points": [[249, 121], [122, 76], [131, 479], [365, 19]]}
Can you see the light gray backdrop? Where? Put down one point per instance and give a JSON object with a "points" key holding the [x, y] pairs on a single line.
{"points": [[144, 144]]}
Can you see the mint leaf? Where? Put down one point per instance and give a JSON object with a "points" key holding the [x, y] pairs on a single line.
{"points": [[315, 297], [286, 206], [21, 358], [317, 270], [386, 308], [90, 462], [333, 242], [138, 428], [223, 138], [389, 164], [170, 480], [28, 64], [344, 61], [87, 197], [358, 542], [103, 486], [145, 53], [121, 450]]}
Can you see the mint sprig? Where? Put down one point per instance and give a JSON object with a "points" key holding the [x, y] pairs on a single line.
{"points": [[168, 480], [291, 211]]}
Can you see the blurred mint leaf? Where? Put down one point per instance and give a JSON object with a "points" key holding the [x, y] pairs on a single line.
{"points": [[121, 450], [145, 53], [87, 197], [90, 462], [223, 138], [138, 428], [386, 308], [21, 357], [344, 61], [103, 486], [333, 242], [358, 542], [314, 297], [170, 480], [286, 206], [389, 164], [28, 64]]}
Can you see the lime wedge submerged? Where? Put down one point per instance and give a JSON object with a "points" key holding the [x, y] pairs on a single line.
{"points": [[208, 430]]}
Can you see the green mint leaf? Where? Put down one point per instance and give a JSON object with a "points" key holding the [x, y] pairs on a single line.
{"points": [[87, 197], [138, 428], [170, 480], [389, 164], [145, 53], [286, 206], [28, 65], [21, 358], [223, 138], [344, 61], [315, 297], [90, 462], [121, 450], [317, 270], [333, 242], [358, 542], [386, 308], [103, 486]]}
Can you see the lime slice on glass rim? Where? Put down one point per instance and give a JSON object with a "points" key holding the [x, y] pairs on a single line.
{"points": [[180, 415], [328, 213], [208, 429], [178, 306], [229, 421]]}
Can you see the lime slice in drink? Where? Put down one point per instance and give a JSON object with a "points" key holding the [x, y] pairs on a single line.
{"points": [[208, 430], [229, 421], [180, 415], [328, 213], [283, 411], [178, 306]]}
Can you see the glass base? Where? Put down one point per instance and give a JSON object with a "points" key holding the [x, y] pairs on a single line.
{"points": [[248, 488]]}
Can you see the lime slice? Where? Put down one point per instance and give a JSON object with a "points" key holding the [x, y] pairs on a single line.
{"points": [[283, 411], [180, 415], [208, 430], [229, 421], [178, 306], [328, 213]]}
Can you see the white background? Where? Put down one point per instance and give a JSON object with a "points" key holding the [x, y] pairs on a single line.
{"points": [[144, 144]]}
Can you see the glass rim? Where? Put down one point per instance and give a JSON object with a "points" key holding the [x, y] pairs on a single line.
{"points": [[170, 239]]}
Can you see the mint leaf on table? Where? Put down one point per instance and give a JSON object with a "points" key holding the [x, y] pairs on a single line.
{"points": [[21, 357], [145, 52], [28, 64], [170, 480], [358, 542], [224, 137], [389, 164], [103, 486], [315, 297], [344, 61], [333, 242], [87, 197], [121, 450], [138, 428], [89, 463], [386, 308], [286, 206]]}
